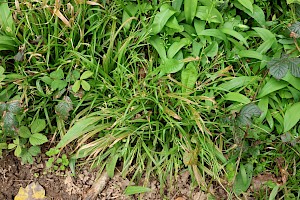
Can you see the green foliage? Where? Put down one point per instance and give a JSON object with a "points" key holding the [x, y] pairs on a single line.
{"points": [[186, 89]]}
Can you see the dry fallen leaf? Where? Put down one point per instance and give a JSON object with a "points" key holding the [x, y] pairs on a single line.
{"points": [[259, 180], [33, 191]]}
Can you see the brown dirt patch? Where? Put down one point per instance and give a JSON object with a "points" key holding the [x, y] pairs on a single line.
{"points": [[62, 186]]}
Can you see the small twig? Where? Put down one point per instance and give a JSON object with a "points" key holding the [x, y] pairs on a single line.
{"points": [[97, 187]]}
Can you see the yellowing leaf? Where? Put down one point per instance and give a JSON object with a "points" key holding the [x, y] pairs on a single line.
{"points": [[33, 191]]}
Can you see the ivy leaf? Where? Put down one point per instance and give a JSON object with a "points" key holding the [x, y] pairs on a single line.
{"points": [[246, 114], [64, 107], [37, 139], [190, 158], [278, 67]]}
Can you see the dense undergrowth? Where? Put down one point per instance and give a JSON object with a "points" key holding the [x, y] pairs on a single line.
{"points": [[156, 86]]}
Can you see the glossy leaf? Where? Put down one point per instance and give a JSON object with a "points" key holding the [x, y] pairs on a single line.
{"points": [[209, 14], [271, 86], [235, 34], [190, 8], [291, 116], [176, 46], [247, 4], [161, 18], [158, 44], [235, 96], [171, 66]]}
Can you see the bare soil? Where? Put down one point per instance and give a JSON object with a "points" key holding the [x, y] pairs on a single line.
{"points": [[61, 186]]}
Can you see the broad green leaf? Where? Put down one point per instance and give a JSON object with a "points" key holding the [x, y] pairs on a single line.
{"points": [[37, 139], [64, 107], [238, 82], [173, 24], [24, 132], [38, 125], [265, 46], [86, 74], [76, 86], [235, 34], [291, 116], [214, 33], [85, 85], [271, 86], [171, 66], [211, 50], [176, 4], [243, 179], [34, 150], [130, 190], [263, 105], [257, 14], [265, 34], [199, 26], [176, 46], [247, 4], [235, 96], [209, 14], [189, 77], [158, 44], [295, 82], [250, 54], [161, 18], [190, 8], [111, 165], [77, 130], [58, 74]]}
